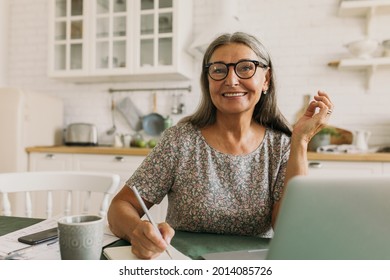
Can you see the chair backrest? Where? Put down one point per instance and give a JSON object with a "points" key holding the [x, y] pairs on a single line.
{"points": [[58, 193]]}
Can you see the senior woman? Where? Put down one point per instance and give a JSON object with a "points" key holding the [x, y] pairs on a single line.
{"points": [[225, 167]]}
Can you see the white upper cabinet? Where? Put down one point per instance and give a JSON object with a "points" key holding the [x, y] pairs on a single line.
{"points": [[110, 37], [67, 39], [120, 40]]}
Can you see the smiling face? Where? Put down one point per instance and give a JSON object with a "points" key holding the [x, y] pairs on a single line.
{"points": [[234, 95]]}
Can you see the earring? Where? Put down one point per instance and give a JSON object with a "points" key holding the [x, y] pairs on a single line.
{"points": [[264, 92]]}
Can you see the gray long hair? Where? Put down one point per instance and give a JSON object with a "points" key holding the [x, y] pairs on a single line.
{"points": [[266, 111]]}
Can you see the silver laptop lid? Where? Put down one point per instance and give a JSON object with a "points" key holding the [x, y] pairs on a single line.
{"points": [[334, 218]]}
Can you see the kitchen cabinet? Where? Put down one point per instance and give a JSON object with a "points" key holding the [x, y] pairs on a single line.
{"points": [[49, 162], [368, 9], [334, 168], [119, 40], [386, 168], [123, 165], [68, 45]]}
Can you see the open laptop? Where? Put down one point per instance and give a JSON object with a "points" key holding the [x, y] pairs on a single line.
{"points": [[330, 218]]}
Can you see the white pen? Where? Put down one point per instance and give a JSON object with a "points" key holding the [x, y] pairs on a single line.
{"points": [[141, 202], [19, 253]]}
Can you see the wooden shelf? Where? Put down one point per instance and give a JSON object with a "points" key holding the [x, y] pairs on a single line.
{"points": [[356, 63], [367, 9], [364, 8], [369, 65]]}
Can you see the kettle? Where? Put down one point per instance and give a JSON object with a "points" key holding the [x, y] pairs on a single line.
{"points": [[360, 139]]}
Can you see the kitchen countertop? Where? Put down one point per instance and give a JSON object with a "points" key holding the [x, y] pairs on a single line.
{"points": [[99, 150], [105, 150], [378, 157]]}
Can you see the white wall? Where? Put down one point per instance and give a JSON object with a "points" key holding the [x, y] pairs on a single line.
{"points": [[3, 41], [302, 36]]}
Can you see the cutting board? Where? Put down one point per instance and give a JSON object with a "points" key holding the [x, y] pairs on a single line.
{"points": [[344, 137]]}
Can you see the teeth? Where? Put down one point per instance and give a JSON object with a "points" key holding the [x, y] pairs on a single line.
{"points": [[234, 94]]}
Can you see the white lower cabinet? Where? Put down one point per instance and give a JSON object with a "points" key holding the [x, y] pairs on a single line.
{"points": [[50, 162], [344, 168], [386, 168], [123, 165]]}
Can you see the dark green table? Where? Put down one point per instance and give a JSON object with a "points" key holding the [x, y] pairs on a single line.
{"points": [[191, 244]]}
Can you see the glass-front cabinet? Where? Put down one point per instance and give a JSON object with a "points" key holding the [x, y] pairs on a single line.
{"points": [[67, 37], [120, 39], [110, 40], [156, 33]]}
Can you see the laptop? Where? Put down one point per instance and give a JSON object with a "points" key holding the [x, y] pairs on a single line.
{"points": [[335, 218], [323, 218]]}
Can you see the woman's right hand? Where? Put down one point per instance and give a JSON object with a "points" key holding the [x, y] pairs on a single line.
{"points": [[146, 243]]}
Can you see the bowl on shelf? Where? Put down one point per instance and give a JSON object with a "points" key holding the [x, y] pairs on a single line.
{"points": [[363, 48]]}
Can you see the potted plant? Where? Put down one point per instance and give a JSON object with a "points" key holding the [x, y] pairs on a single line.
{"points": [[323, 138]]}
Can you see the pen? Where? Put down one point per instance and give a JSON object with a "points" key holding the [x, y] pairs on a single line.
{"points": [[25, 249], [19, 250], [141, 202]]}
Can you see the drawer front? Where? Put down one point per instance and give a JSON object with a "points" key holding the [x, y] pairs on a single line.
{"points": [[50, 162], [124, 166], [344, 168]]}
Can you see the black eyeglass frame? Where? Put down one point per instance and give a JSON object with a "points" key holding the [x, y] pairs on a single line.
{"points": [[255, 62]]}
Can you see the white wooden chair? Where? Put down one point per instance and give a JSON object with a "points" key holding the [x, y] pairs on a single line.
{"points": [[65, 192]]}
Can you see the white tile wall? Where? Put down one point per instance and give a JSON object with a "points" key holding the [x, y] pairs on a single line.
{"points": [[302, 36]]}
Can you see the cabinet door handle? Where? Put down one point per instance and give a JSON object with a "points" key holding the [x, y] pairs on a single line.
{"points": [[120, 159], [50, 156], [315, 165]]}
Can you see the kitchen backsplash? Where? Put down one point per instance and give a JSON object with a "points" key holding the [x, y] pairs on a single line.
{"points": [[95, 107], [302, 37]]}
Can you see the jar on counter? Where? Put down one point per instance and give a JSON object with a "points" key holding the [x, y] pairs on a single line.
{"points": [[126, 139], [118, 140], [168, 122]]}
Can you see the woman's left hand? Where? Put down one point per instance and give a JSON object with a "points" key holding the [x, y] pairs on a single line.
{"points": [[315, 118]]}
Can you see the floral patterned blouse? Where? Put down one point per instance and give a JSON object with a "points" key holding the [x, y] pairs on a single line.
{"points": [[210, 191]]}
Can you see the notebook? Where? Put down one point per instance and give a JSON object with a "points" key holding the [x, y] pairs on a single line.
{"points": [[124, 253], [334, 218]]}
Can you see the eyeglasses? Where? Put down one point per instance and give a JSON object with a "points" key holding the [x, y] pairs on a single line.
{"points": [[244, 69]]}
